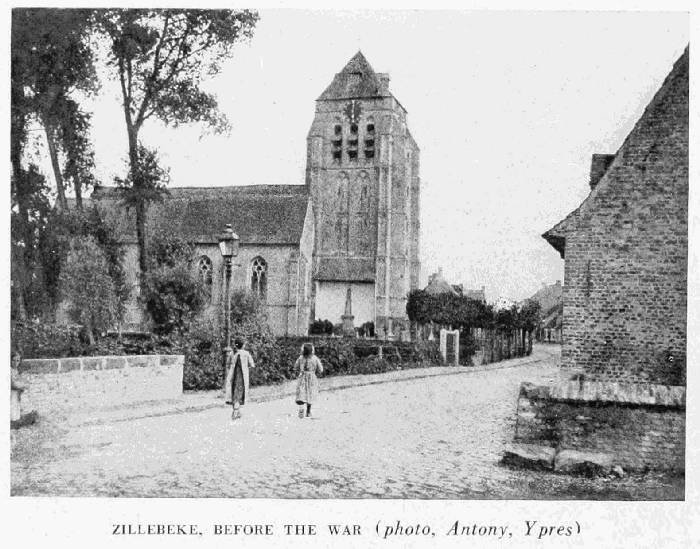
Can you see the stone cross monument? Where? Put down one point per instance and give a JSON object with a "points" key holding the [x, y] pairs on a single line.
{"points": [[348, 318]]}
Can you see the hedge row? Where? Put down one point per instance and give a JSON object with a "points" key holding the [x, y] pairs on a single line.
{"points": [[43, 340], [274, 357]]}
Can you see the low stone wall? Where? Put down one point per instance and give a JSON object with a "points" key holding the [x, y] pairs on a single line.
{"points": [[86, 383], [636, 426]]}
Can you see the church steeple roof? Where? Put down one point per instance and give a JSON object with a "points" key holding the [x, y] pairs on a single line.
{"points": [[357, 80]]}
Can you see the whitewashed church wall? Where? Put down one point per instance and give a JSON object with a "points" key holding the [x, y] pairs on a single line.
{"points": [[330, 301]]}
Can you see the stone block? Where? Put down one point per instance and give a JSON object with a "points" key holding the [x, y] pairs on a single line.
{"points": [[531, 391], [141, 361], [38, 366], [529, 456], [92, 363], [582, 462], [69, 364], [169, 360], [114, 362]]}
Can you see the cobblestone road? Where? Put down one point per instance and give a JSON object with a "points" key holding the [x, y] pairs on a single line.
{"points": [[439, 437]]}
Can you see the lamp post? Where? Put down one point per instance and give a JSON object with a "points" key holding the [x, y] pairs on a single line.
{"points": [[228, 245]]}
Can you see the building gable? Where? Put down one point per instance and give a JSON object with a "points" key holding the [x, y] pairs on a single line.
{"points": [[665, 119]]}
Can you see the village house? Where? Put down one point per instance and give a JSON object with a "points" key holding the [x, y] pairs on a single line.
{"points": [[437, 284], [351, 231], [622, 400], [550, 299]]}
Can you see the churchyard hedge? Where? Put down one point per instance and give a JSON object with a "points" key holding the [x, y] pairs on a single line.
{"points": [[274, 357], [34, 339]]}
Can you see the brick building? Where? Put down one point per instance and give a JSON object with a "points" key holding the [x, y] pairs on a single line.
{"points": [[625, 250], [354, 224], [550, 299], [625, 301]]}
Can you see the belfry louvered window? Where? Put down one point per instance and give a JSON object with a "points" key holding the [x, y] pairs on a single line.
{"points": [[337, 143], [369, 141]]}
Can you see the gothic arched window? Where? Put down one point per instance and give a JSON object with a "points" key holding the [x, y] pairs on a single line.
{"points": [[205, 272], [258, 277]]}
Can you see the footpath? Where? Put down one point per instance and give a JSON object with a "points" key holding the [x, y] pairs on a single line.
{"points": [[196, 401]]}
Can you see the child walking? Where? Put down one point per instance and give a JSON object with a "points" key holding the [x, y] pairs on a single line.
{"points": [[237, 377], [308, 366]]}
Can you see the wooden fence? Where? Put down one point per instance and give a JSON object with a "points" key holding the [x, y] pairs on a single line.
{"points": [[493, 345]]}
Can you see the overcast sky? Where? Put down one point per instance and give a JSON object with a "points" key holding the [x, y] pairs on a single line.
{"points": [[506, 107]]}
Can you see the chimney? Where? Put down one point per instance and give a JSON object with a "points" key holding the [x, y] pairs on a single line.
{"points": [[558, 282], [599, 165]]}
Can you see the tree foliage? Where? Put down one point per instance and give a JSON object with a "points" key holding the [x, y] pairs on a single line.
{"points": [[29, 211], [447, 309], [87, 286], [52, 59], [172, 293], [61, 228], [160, 58], [244, 306], [153, 180], [462, 312]]}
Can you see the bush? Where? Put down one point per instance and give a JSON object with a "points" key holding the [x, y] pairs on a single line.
{"points": [[54, 244], [266, 353], [86, 284], [321, 327], [204, 354], [44, 340], [173, 297], [341, 356], [203, 357], [244, 305], [366, 330], [173, 294]]}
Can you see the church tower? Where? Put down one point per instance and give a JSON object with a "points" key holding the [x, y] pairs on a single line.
{"points": [[363, 177]]}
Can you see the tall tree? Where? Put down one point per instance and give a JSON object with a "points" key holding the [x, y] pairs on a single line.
{"points": [[160, 58], [80, 157], [52, 59]]}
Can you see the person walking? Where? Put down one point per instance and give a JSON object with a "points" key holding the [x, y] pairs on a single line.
{"points": [[308, 365], [237, 377]]}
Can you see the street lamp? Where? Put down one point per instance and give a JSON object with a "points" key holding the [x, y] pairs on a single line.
{"points": [[228, 245]]}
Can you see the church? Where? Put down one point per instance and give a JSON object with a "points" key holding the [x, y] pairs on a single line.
{"points": [[348, 237]]}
